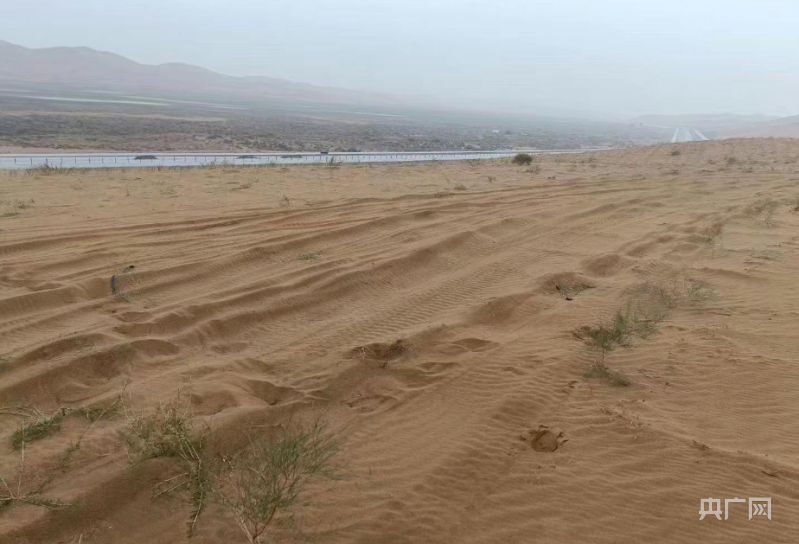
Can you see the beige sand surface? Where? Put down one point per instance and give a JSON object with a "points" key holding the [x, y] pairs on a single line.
{"points": [[258, 292]]}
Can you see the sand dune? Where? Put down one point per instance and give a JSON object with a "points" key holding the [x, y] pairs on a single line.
{"points": [[268, 293]]}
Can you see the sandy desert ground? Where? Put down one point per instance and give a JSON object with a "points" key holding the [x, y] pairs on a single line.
{"points": [[267, 295]]}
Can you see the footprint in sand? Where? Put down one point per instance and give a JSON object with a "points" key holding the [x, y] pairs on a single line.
{"points": [[543, 439], [371, 403], [466, 345]]}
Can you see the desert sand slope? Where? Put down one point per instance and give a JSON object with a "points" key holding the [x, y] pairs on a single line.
{"points": [[261, 294], [786, 127]]}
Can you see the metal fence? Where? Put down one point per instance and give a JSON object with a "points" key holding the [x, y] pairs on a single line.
{"points": [[171, 160]]}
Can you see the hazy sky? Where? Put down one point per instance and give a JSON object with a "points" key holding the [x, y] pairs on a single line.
{"points": [[604, 57]]}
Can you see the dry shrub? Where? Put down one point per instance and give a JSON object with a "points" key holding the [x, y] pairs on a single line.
{"points": [[258, 483], [638, 319], [261, 484], [522, 159], [169, 432], [23, 490]]}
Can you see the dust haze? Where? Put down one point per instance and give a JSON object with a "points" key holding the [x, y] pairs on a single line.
{"points": [[609, 59]]}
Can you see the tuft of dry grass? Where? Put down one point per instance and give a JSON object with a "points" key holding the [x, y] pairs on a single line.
{"points": [[634, 320], [47, 170], [677, 290], [764, 209], [41, 427], [97, 413], [165, 433], [714, 235]]}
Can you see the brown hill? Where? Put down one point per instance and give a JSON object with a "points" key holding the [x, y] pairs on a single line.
{"points": [[85, 68]]}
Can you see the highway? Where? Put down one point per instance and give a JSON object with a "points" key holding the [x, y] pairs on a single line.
{"points": [[172, 160], [688, 134]]}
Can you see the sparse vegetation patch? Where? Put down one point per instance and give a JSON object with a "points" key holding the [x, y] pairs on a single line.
{"points": [[13, 207], [648, 305]]}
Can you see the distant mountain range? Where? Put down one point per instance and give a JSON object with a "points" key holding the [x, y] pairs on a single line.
{"points": [[84, 68]]}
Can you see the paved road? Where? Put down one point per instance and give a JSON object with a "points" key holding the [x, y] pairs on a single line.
{"points": [[688, 134], [170, 160]]}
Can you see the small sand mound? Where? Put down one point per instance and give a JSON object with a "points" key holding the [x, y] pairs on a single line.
{"points": [[606, 265], [567, 283], [380, 351], [499, 309]]}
